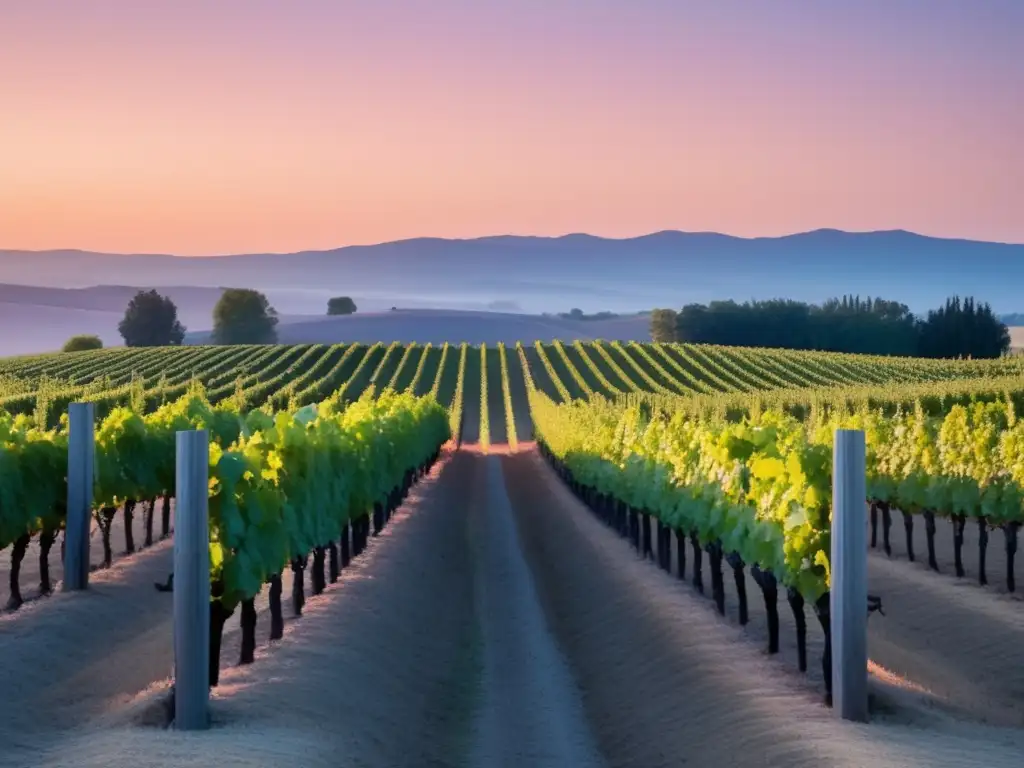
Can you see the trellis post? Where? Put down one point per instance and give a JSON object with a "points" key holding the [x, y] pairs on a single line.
{"points": [[191, 582], [81, 474], [849, 592]]}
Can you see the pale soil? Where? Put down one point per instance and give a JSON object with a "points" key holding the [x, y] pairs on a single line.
{"points": [[72, 656], [952, 641], [29, 577], [78, 656], [667, 682], [995, 553], [494, 622], [380, 671], [529, 710], [954, 637]]}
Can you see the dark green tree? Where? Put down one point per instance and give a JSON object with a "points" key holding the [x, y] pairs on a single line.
{"points": [[341, 305], [244, 316], [870, 326], [963, 328], [663, 324], [848, 324], [151, 320], [82, 343]]}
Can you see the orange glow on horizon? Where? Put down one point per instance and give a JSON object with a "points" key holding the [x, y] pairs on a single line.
{"points": [[195, 130]]}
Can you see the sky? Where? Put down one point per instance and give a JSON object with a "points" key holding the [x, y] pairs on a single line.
{"points": [[203, 127]]}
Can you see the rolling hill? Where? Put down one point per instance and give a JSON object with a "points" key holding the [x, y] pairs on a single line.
{"points": [[424, 326], [554, 273], [52, 295]]}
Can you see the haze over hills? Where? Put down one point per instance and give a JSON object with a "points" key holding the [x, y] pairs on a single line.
{"points": [[50, 295], [39, 319], [551, 274], [436, 326]]}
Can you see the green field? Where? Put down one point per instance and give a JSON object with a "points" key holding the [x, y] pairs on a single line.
{"points": [[281, 376]]}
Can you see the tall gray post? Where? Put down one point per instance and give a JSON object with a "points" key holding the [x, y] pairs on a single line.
{"points": [[849, 593], [81, 474], [191, 582]]}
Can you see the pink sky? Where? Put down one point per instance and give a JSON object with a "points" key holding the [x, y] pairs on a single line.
{"points": [[218, 127]]}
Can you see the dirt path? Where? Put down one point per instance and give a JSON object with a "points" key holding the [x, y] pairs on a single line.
{"points": [[529, 711], [375, 673], [958, 639], [667, 682], [960, 642], [431, 651]]}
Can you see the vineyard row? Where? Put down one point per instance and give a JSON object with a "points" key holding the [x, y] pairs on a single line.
{"points": [[470, 381]]}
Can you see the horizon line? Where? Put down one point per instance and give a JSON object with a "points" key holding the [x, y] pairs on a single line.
{"points": [[710, 233]]}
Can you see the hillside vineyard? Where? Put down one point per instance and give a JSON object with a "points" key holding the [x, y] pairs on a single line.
{"points": [[705, 460], [291, 376], [497, 395]]}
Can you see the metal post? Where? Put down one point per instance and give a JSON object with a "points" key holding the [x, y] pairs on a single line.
{"points": [[191, 582], [849, 593], [81, 473]]}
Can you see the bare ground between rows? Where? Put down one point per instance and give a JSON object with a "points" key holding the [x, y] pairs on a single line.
{"points": [[30, 566], [943, 643], [68, 657], [529, 710], [953, 636], [471, 408], [519, 396], [995, 566], [379, 671], [667, 682], [493, 400], [430, 652], [71, 658]]}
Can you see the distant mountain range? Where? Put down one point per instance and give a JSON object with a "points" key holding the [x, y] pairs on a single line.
{"points": [[557, 273]]}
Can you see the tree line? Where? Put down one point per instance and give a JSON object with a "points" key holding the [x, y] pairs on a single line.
{"points": [[240, 316], [960, 328]]}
